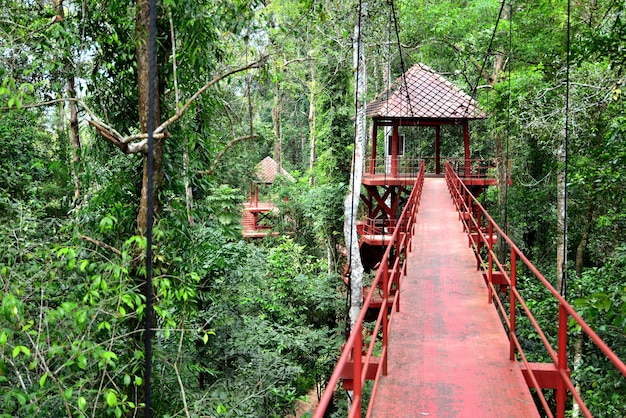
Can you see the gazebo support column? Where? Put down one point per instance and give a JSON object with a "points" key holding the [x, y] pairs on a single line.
{"points": [[394, 149], [437, 149], [373, 156], [466, 143]]}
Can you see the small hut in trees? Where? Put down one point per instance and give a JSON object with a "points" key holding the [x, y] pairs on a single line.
{"points": [[255, 211]]}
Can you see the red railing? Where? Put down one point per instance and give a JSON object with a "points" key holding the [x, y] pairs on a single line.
{"points": [[369, 226], [473, 168], [483, 231], [357, 362], [407, 167]]}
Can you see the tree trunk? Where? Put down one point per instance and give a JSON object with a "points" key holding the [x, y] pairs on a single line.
{"points": [[75, 136], [312, 121], [352, 200], [71, 94], [503, 188], [276, 119], [580, 250], [502, 163], [561, 247], [143, 66]]}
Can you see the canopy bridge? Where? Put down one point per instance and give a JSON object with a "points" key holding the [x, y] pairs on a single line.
{"points": [[445, 342]]}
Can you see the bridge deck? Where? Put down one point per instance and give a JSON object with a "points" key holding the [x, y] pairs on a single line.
{"points": [[448, 352]]}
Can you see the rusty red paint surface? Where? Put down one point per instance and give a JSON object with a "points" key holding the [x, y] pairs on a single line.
{"points": [[448, 352]]}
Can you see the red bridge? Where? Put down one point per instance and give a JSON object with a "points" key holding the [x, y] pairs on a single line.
{"points": [[439, 347]]}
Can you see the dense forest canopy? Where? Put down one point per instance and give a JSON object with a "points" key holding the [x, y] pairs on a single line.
{"points": [[246, 328]]}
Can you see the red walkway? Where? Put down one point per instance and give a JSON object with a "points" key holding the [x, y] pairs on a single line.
{"points": [[448, 352]]}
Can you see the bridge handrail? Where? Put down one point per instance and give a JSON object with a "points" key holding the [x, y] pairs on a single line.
{"points": [[467, 203], [386, 276]]}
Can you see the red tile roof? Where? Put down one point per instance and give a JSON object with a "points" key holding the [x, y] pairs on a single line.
{"points": [[267, 170], [424, 95]]}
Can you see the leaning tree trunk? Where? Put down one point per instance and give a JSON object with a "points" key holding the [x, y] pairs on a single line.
{"points": [[352, 200], [143, 67]]}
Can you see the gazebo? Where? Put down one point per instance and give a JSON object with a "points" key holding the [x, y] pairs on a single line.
{"points": [[418, 100], [421, 97], [253, 210]]}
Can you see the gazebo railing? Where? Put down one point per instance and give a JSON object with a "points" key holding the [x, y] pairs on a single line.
{"points": [[407, 167]]}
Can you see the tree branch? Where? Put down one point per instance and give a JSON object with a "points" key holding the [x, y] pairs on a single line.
{"points": [[222, 152], [101, 244], [180, 112], [124, 143]]}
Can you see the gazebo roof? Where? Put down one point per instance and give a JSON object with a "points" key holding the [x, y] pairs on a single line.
{"points": [[421, 93], [267, 170]]}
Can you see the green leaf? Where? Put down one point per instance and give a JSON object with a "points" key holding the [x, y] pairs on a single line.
{"points": [[81, 360], [42, 380], [82, 403], [21, 398], [3, 338], [111, 398], [20, 349], [68, 393]]}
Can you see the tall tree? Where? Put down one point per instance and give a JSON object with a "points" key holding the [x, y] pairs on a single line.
{"points": [[360, 139]]}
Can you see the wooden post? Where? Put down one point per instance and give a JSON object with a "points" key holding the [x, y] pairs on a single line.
{"points": [[437, 149], [373, 155], [466, 143], [394, 149], [512, 305]]}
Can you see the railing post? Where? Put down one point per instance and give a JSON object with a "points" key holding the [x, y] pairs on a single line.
{"points": [[561, 392], [385, 317], [490, 264], [512, 319], [372, 167], [357, 370]]}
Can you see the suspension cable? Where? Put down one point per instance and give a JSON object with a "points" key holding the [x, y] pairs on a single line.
{"points": [[406, 86], [150, 204], [566, 147], [493, 35]]}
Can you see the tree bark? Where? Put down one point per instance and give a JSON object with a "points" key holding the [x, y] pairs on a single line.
{"points": [[312, 121], [143, 66], [561, 247], [580, 250], [75, 136], [352, 200], [502, 163], [276, 119], [73, 119]]}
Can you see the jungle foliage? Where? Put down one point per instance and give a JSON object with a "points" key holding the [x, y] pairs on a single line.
{"points": [[246, 328]]}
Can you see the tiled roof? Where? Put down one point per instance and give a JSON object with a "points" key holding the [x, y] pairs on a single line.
{"points": [[267, 169], [424, 95]]}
